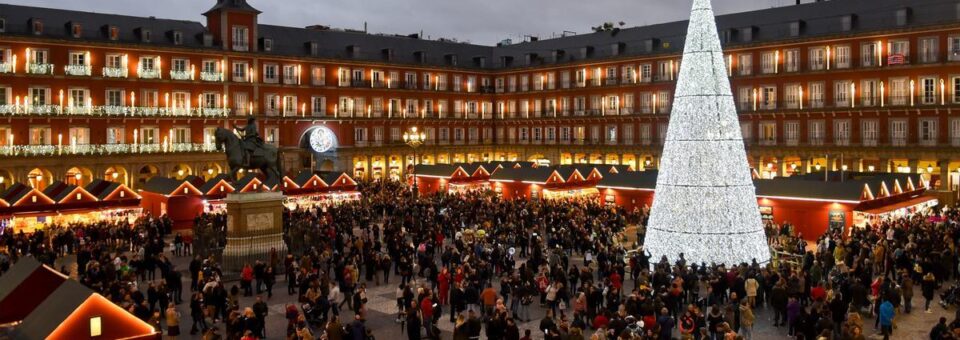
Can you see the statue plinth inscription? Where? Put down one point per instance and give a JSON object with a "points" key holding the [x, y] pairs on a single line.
{"points": [[254, 229]]}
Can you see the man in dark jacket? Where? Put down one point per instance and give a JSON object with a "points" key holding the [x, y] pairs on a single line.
{"points": [[413, 325], [778, 300]]}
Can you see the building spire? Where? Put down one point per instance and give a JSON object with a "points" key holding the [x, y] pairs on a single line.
{"points": [[705, 204]]}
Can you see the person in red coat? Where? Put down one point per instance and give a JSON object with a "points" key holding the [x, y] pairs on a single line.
{"points": [[426, 308], [443, 282]]}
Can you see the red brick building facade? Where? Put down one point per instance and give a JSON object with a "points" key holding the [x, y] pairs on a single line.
{"points": [[866, 85]]}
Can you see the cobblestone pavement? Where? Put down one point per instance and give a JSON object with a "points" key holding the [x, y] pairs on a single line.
{"points": [[381, 313]]}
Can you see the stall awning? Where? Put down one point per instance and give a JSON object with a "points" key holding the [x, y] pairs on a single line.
{"points": [[904, 204]]}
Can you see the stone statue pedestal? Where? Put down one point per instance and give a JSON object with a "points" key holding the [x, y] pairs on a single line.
{"points": [[254, 229]]}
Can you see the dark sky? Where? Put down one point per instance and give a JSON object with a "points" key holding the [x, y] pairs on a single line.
{"points": [[482, 22]]}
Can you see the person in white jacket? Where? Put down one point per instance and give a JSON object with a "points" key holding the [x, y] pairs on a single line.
{"points": [[751, 286], [334, 297]]}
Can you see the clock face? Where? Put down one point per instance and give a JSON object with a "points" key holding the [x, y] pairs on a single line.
{"points": [[322, 139]]}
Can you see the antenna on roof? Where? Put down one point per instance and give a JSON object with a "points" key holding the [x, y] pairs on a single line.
{"points": [[364, 27]]}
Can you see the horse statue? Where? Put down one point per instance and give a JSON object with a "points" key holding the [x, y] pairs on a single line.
{"points": [[264, 158]]}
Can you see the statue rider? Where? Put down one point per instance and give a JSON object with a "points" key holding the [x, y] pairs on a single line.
{"points": [[251, 139]]}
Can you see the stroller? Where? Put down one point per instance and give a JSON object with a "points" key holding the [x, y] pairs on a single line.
{"points": [[950, 296]]}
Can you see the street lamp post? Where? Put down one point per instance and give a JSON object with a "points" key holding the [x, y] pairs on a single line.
{"points": [[414, 139]]}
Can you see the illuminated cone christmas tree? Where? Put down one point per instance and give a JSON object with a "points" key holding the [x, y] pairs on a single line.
{"points": [[705, 204]]}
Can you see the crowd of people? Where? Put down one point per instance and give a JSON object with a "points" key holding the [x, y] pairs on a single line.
{"points": [[478, 264]]}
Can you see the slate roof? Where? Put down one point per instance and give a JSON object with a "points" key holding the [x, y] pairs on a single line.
{"points": [[162, 185], [206, 187], [818, 19], [15, 192], [101, 188], [24, 286], [53, 311], [645, 180], [439, 170]]}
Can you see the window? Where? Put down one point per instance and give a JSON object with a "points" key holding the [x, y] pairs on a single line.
{"points": [[869, 92], [841, 93], [411, 80], [289, 105], [38, 56], [39, 135], [745, 64], [78, 97], [181, 135], [39, 96], [318, 106], [242, 104], [177, 38], [179, 65], [955, 132], [928, 49], [842, 56], [3, 25], [899, 91], [4, 98], [240, 38], [746, 130], [646, 73], [928, 132], [768, 133], [318, 76], [114, 97], [841, 132], [114, 33], [870, 132], [953, 43], [271, 135], [816, 132], [37, 27], [149, 135], [745, 99], [149, 98], [271, 104], [211, 100], [898, 132], [792, 60], [581, 78], [869, 54], [769, 62], [818, 58], [791, 96], [928, 90], [899, 52], [270, 73], [768, 97], [116, 134], [956, 89], [239, 71], [791, 133], [816, 94], [267, 45], [76, 30]]}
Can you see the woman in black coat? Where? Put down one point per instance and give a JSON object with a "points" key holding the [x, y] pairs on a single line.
{"points": [[928, 286], [413, 325]]}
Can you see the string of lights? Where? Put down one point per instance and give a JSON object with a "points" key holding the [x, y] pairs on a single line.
{"points": [[705, 205]]}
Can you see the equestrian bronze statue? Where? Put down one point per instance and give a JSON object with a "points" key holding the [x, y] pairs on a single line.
{"points": [[246, 150]]}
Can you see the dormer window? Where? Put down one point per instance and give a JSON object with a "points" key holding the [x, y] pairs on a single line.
{"points": [[113, 32], [177, 38], [146, 36], [37, 26], [267, 45], [3, 25], [76, 30]]}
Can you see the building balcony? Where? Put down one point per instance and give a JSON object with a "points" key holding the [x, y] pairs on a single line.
{"points": [[109, 110], [40, 69], [102, 149], [148, 73], [291, 80], [6, 68], [115, 72], [77, 70], [181, 75], [211, 76], [378, 84]]}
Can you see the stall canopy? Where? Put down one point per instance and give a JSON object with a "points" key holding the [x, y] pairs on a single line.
{"points": [[73, 311], [24, 287], [59, 197]]}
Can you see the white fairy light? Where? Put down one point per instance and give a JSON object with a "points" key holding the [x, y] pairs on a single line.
{"points": [[705, 204]]}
